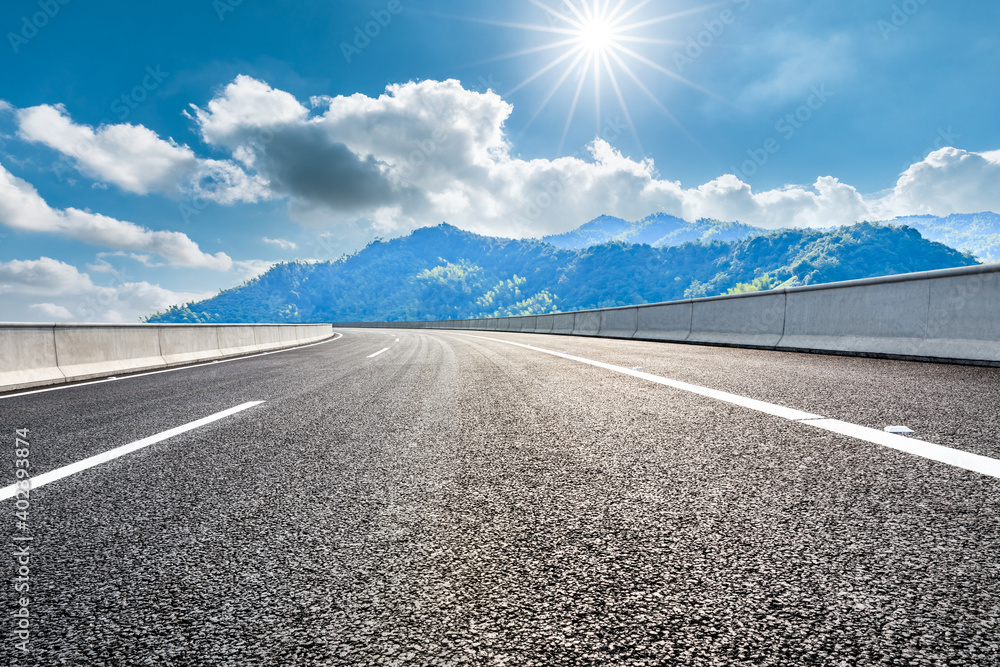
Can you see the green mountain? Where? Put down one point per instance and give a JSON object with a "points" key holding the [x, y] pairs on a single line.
{"points": [[445, 273], [658, 230], [978, 233]]}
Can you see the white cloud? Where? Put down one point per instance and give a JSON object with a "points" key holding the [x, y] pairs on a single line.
{"points": [[245, 105], [431, 151], [71, 294], [52, 310], [21, 207], [130, 301], [251, 268], [102, 265], [948, 181], [42, 276], [281, 243], [135, 159]]}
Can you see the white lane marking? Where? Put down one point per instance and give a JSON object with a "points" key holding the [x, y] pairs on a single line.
{"points": [[74, 385], [110, 455], [761, 406], [372, 356], [928, 450]]}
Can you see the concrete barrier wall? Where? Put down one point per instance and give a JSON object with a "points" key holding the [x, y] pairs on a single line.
{"points": [[869, 319], [237, 340], [289, 334], [587, 323], [564, 323], [666, 322], [28, 356], [88, 351], [936, 315], [619, 322], [35, 355], [949, 315], [748, 319], [267, 338], [545, 323], [186, 345], [964, 318]]}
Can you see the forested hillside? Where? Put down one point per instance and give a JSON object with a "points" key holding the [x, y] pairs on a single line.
{"points": [[978, 233], [443, 273], [658, 230]]}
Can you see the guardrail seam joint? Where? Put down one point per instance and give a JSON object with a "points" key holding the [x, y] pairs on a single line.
{"points": [[55, 347]]}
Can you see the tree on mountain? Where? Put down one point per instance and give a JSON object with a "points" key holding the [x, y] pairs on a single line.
{"points": [[761, 284]]}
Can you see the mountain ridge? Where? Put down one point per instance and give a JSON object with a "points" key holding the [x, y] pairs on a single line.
{"points": [[657, 230], [442, 272], [978, 233]]}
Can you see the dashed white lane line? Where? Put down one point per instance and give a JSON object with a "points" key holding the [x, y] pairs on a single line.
{"points": [[928, 450], [74, 385], [383, 351], [59, 473]]}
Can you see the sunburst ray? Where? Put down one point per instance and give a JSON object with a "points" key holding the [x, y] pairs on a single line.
{"points": [[597, 36]]}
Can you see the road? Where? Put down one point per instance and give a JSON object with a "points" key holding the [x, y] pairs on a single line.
{"points": [[443, 498]]}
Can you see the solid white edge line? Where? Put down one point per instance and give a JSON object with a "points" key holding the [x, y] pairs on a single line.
{"points": [[59, 473], [928, 450], [74, 385], [372, 356]]}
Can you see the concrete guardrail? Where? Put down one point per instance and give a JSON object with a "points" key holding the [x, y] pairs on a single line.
{"points": [[35, 355], [952, 315]]}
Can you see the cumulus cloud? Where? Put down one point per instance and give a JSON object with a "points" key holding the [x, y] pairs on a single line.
{"points": [[71, 295], [44, 276], [135, 159], [948, 181], [246, 105], [52, 310], [304, 163], [429, 151], [21, 207]]}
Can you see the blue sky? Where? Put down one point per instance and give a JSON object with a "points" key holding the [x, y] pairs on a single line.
{"points": [[151, 153]]}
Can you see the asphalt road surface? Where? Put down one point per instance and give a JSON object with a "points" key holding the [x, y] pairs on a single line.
{"points": [[437, 498]]}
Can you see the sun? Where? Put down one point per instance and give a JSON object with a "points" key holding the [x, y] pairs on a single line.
{"points": [[598, 46], [597, 36]]}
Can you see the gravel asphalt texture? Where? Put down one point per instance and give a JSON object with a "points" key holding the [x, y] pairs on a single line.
{"points": [[459, 501]]}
